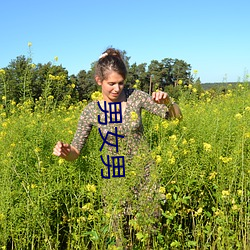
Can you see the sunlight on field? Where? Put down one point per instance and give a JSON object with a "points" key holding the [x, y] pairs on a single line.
{"points": [[203, 163]]}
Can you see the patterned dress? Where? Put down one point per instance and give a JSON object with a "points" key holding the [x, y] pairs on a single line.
{"points": [[137, 193], [131, 127]]}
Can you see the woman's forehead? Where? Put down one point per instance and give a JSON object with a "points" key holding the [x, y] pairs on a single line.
{"points": [[113, 76]]}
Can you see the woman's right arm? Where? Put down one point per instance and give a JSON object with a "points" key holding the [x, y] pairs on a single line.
{"points": [[70, 152], [66, 151]]}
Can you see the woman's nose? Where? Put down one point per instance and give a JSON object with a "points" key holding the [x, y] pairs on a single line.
{"points": [[116, 87]]}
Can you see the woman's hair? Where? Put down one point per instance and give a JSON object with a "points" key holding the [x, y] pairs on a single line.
{"points": [[110, 60]]}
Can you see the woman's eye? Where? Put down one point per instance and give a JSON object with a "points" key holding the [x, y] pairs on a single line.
{"points": [[112, 83]]}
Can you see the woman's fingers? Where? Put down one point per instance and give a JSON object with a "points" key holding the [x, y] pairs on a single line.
{"points": [[61, 149], [160, 97]]}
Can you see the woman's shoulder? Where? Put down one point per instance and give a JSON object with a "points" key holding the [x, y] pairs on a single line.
{"points": [[135, 93], [90, 108], [90, 105]]}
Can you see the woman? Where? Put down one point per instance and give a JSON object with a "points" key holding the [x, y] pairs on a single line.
{"points": [[110, 74]]}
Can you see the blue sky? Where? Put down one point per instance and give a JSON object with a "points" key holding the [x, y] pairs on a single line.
{"points": [[212, 36]]}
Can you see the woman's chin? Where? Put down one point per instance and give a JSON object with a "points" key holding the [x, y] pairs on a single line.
{"points": [[114, 97]]}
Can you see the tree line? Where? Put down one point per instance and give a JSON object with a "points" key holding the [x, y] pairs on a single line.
{"points": [[22, 79]]}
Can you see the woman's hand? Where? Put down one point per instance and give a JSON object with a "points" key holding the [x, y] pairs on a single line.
{"points": [[161, 97], [61, 149], [65, 151]]}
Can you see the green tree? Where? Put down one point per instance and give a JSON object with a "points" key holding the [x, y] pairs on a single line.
{"points": [[18, 79], [138, 73], [86, 84], [168, 72], [52, 80], [181, 71]]}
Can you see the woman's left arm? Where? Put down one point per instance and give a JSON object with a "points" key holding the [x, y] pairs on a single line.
{"points": [[161, 97]]}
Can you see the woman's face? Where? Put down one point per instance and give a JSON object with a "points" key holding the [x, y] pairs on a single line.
{"points": [[112, 86]]}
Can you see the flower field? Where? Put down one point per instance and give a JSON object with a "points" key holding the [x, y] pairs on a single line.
{"points": [[202, 166]]}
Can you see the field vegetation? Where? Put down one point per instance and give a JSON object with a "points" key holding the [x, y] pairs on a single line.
{"points": [[202, 165]]}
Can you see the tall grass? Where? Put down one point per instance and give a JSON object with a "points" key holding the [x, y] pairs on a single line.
{"points": [[202, 164]]}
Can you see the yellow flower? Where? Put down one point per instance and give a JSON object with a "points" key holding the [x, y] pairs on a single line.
{"points": [[37, 149], [175, 122], [158, 159], [2, 217], [225, 193], [156, 127], [108, 215], [56, 58], [191, 140], [225, 159], [164, 124], [173, 137], [50, 97], [190, 86], [61, 161], [91, 188], [3, 97], [235, 207], [184, 141], [207, 147], [239, 192], [212, 175], [135, 86], [4, 124], [194, 90], [238, 116], [87, 207], [133, 173], [73, 85], [195, 71], [133, 116], [218, 212], [247, 135], [29, 44], [51, 77], [90, 217], [171, 160], [180, 82], [162, 190], [168, 196], [246, 108], [137, 81], [96, 96], [2, 72], [198, 212]]}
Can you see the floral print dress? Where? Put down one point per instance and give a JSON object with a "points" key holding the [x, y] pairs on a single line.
{"points": [[138, 192], [131, 127]]}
